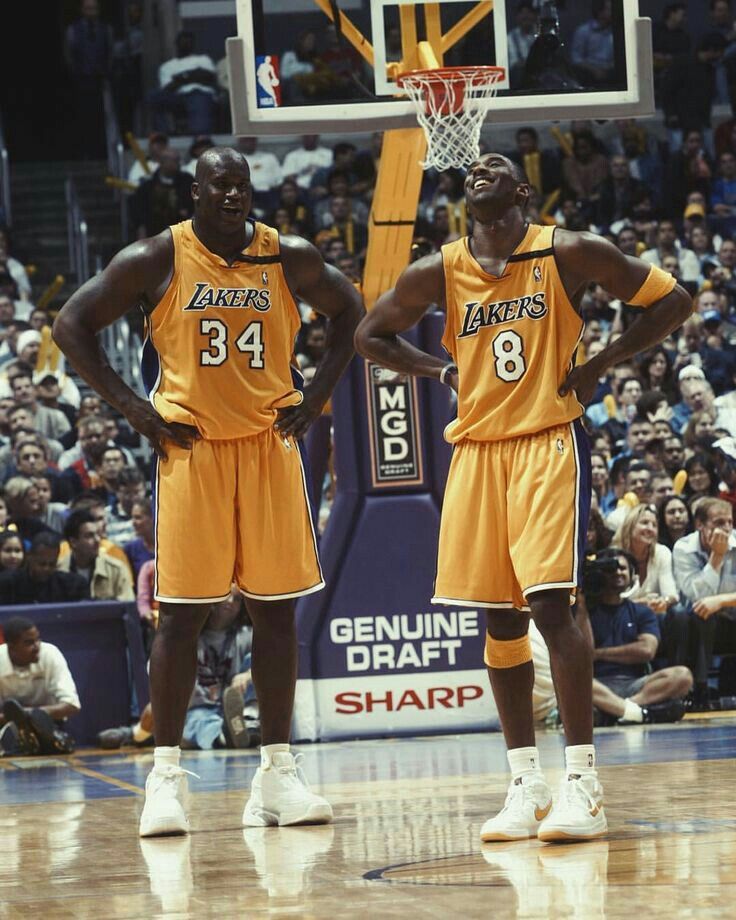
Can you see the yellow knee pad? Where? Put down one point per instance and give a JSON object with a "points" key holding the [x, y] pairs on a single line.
{"points": [[507, 654]]}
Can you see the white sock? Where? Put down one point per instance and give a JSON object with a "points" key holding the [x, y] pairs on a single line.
{"points": [[524, 762], [166, 756], [632, 712], [580, 759], [140, 734], [268, 750]]}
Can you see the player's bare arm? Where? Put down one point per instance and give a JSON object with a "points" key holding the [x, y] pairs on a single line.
{"points": [[379, 335], [138, 274], [330, 293], [585, 257]]}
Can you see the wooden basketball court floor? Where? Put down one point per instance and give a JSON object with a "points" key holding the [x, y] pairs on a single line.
{"points": [[404, 842]]}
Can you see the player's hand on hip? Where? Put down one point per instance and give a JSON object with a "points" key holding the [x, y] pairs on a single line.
{"points": [[295, 421], [583, 381], [146, 421]]}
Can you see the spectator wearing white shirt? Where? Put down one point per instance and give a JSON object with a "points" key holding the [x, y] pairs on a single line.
{"points": [[705, 572], [157, 143], [303, 163], [37, 692], [187, 86], [668, 244], [265, 172]]}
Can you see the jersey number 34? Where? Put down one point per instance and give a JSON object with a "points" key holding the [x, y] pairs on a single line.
{"points": [[249, 342]]}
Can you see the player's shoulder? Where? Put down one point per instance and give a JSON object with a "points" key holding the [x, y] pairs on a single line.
{"points": [[150, 252]]}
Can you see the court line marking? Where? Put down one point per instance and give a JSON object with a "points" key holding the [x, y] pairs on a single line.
{"points": [[110, 780]]}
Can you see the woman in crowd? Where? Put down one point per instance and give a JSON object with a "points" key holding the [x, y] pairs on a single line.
{"points": [[638, 535], [656, 373], [598, 535], [700, 429], [675, 520], [24, 505], [11, 551], [602, 483], [702, 478], [700, 240]]}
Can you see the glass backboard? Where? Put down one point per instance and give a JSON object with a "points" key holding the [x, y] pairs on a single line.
{"points": [[292, 71]]}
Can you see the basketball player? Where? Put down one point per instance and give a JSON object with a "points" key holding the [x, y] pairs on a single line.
{"points": [[520, 469], [224, 417]]}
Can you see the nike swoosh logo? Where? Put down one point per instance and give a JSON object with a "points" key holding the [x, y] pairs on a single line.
{"points": [[541, 813], [594, 811]]}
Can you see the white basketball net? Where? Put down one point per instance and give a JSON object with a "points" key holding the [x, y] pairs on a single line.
{"points": [[450, 107]]}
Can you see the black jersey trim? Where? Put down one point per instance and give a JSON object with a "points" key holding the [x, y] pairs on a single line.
{"points": [[258, 260], [536, 254]]}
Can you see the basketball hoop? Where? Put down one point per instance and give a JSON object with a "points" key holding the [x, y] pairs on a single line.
{"points": [[449, 103]]}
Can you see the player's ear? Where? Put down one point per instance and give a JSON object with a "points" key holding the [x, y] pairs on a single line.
{"points": [[195, 191], [524, 194]]}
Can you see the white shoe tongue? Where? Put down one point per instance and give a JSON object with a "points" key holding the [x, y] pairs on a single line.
{"points": [[282, 759]]}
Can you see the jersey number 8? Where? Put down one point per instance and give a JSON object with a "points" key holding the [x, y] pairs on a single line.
{"points": [[250, 341], [508, 350]]}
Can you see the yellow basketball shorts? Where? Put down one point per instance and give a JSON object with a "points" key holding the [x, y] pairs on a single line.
{"points": [[234, 511], [514, 518]]}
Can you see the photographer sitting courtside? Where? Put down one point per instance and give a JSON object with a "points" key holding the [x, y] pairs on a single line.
{"points": [[625, 636]]}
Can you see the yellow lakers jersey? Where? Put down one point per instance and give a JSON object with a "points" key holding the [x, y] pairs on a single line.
{"points": [[513, 339], [219, 348]]}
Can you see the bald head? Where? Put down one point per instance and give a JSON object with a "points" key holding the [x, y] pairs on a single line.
{"points": [[217, 158]]}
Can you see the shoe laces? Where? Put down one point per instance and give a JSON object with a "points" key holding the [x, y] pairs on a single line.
{"points": [[293, 769], [171, 773], [517, 793], [574, 792]]}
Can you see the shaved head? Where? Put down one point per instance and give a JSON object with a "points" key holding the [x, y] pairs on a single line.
{"points": [[216, 158]]}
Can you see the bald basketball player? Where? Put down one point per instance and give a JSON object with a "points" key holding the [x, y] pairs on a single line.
{"points": [[520, 469], [224, 416]]}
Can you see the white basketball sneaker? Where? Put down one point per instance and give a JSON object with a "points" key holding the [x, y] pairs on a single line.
{"points": [[280, 796], [167, 799], [577, 813], [527, 804]]}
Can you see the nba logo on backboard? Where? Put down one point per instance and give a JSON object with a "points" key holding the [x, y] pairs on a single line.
{"points": [[268, 84]]}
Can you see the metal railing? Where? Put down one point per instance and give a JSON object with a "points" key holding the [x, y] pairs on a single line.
{"points": [[5, 203], [115, 155], [77, 234]]}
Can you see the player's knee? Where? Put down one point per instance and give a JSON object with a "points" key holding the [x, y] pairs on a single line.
{"points": [[182, 621], [507, 653], [683, 679]]}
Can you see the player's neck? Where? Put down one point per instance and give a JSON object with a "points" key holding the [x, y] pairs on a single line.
{"points": [[227, 245], [498, 237]]}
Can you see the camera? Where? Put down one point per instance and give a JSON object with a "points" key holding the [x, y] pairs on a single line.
{"points": [[595, 573]]}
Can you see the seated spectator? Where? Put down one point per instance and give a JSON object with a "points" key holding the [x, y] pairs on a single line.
{"points": [[315, 345], [24, 507], [200, 144], [38, 581], [520, 40], [51, 423], [724, 455], [292, 201], [94, 505], [673, 454], [164, 199], [343, 162], [142, 547], [700, 428], [12, 267], [601, 481], [52, 514], [187, 88], [705, 572], [625, 636], [689, 169], [637, 490], [675, 520], [265, 171], [343, 222], [90, 435], [655, 369], [131, 488], [221, 711], [337, 187], [302, 163], [297, 67], [157, 143], [702, 479], [592, 47], [616, 193], [139, 735], [663, 486], [11, 551], [107, 579], [112, 463], [669, 245], [638, 535], [586, 169], [89, 405], [696, 394], [598, 536], [58, 391], [37, 692], [599, 413], [723, 187]]}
